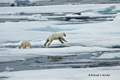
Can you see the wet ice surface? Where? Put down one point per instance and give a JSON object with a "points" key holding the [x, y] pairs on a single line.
{"points": [[68, 61], [84, 59]]}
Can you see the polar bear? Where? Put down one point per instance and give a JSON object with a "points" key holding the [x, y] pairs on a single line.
{"points": [[24, 44], [55, 36]]}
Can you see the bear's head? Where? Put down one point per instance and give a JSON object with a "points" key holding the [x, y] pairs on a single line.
{"points": [[64, 34]]}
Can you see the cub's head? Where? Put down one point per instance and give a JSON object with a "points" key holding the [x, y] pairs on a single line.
{"points": [[19, 46]]}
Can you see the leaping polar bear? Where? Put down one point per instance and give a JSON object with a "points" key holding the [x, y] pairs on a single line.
{"points": [[55, 36]]}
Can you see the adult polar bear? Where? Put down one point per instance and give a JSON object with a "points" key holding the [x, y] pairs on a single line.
{"points": [[55, 36]]}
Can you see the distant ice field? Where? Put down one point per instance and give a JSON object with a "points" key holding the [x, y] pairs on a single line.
{"points": [[56, 8]]}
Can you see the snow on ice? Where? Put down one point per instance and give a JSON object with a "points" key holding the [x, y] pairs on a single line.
{"points": [[105, 73]]}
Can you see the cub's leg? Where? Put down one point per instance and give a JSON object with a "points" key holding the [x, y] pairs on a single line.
{"points": [[21, 45], [24, 46], [30, 46]]}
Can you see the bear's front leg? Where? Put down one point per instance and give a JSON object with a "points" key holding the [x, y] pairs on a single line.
{"points": [[24, 47], [61, 40]]}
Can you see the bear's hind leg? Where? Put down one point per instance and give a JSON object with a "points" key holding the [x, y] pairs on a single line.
{"points": [[49, 43], [46, 42]]}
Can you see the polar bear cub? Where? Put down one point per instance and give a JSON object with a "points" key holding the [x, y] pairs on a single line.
{"points": [[24, 44], [55, 36]]}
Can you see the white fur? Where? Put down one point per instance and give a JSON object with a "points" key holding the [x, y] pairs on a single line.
{"points": [[24, 44], [54, 37]]}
